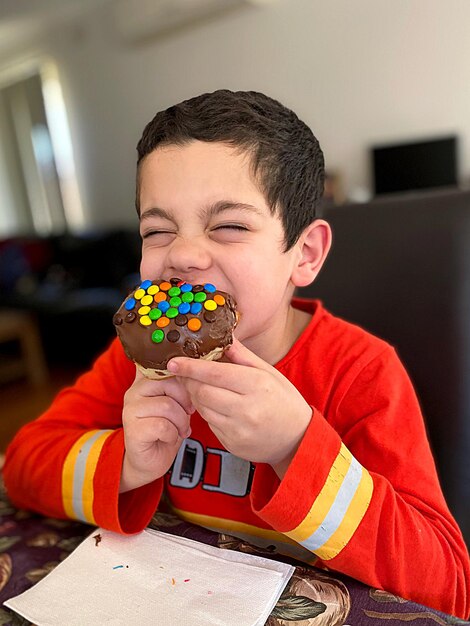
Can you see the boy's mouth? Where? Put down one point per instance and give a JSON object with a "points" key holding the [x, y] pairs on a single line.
{"points": [[190, 280]]}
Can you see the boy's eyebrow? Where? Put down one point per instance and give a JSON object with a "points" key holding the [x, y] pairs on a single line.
{"points": [[227, 205], [207, 213], [156, 212]]}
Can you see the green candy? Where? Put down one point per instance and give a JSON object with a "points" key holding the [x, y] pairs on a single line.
{"points": [[188, 296], [158, 336], [175, 301], [200, 296], [171, 313], [174, 291], [154, 314]]}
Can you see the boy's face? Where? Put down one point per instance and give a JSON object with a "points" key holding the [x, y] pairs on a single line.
{"points": [[203, 219]]}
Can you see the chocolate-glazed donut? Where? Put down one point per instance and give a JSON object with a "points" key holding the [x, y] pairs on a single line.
{"points": [[162, 319]]}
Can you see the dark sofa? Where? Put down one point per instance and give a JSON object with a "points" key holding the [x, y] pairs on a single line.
{"points": [[400, 267], [72, 284]]}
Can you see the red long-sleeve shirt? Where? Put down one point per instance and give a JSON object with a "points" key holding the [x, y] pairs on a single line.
{"points": [[361, 495]]}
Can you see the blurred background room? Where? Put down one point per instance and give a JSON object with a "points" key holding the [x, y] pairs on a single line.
{"points": [[384, 86]]}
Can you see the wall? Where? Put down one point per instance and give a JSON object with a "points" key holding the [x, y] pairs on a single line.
{"points": [[358, 73]]}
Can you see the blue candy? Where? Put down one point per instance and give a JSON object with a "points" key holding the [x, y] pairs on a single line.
{"points": [[209, 287], [186, 287], [196, 307], [130, 304], [146, 284], [184, 308], [163, 306]]}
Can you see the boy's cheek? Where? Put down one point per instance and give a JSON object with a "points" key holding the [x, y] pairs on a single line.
{"points": [[150, 265]]}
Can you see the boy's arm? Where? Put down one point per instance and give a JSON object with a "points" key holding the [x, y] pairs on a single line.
{"points": [[68, 462], [362, 493]]}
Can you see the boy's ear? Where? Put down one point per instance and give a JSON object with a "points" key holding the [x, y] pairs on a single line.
{"points": [[312, 249]]}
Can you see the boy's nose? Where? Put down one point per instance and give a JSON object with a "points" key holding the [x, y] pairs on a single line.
{"points": [[186, 255]]}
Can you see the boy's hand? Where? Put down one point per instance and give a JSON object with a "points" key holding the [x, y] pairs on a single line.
{"points": [[156, 420], [254, 411]]}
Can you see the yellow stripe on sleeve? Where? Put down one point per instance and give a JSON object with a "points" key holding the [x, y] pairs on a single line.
{"points": [[352, 519], [338, 509], [325, 498], [90, 468], [77, 475], [68, 471]]}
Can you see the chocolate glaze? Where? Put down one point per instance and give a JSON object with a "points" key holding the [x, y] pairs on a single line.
{"points": [[215, 332]]}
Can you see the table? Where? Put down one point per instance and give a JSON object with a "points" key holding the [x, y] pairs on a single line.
{"points": [[32, 545]]}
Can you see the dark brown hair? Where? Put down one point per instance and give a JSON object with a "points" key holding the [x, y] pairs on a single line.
{"points": [[286, 158]]}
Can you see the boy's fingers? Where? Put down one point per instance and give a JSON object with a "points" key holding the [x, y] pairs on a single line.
{"points": [[149, 416], [167, 387], [223, 401], [178, 392], [224, 375]]}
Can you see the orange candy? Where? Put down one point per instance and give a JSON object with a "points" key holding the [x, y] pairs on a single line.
{"points": [[165, 286], [162, 322], [220, 300], [194, 324], [160, 296]]}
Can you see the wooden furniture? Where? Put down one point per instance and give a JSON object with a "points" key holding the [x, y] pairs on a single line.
{"points": [[20, 327]]}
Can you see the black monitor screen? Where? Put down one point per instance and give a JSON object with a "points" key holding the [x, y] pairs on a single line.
{"points": [[418, 165]]}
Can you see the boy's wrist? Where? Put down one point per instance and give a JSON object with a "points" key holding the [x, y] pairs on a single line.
{"points": [[131, 478], [282, 466]]}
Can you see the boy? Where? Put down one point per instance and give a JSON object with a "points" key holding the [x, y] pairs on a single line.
{"points": [[308, 436]]}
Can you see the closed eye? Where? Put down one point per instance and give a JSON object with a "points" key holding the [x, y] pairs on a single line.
{"points": [[158, 238], [231, 226], [230, 233], [150, 233]]}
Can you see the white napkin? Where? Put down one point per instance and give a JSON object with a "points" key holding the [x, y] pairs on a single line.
{"points": [[154, 578]]}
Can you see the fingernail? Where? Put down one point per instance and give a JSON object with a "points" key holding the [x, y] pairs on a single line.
{"points": [[172, 366]]}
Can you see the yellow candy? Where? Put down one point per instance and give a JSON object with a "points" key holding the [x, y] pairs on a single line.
{"points": [[140, 293], [145, 320], [146, 300], [210, 305], [143, 310], [152, 290]]}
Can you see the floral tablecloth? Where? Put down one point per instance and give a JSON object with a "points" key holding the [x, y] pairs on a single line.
{"points": [[31, 546]]}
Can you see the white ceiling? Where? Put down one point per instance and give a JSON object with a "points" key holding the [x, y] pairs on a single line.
{"points": [[30, 9], [21, 19]]}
